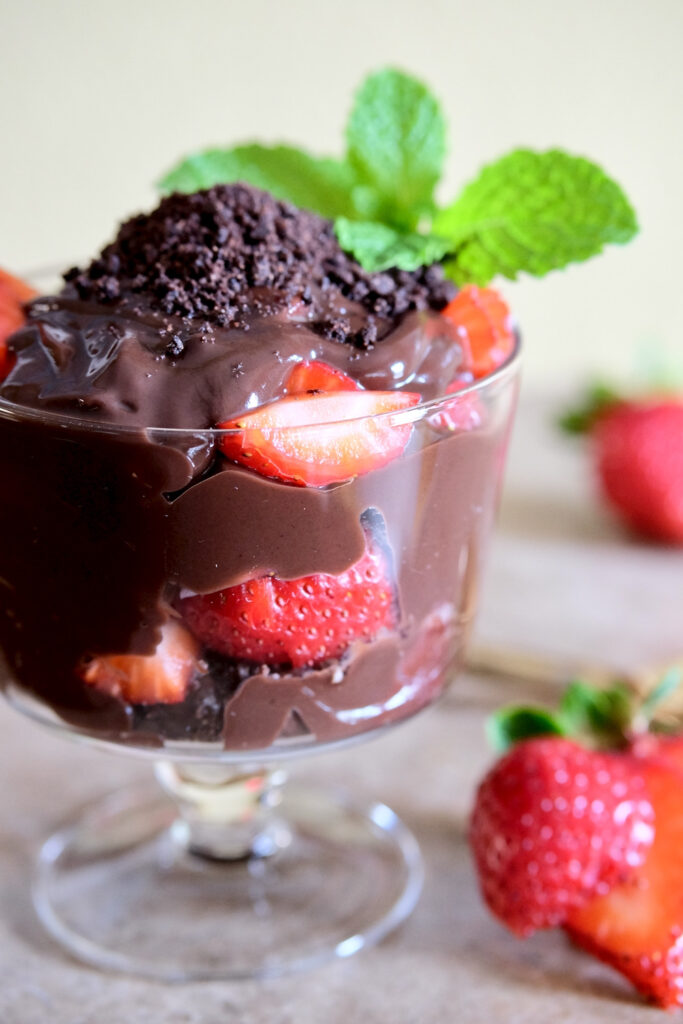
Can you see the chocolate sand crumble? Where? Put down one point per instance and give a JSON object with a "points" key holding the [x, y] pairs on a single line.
{"points": [[224, 252]]}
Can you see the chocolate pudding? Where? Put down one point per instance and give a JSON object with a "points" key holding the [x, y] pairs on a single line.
{"points": [[129, 533]]}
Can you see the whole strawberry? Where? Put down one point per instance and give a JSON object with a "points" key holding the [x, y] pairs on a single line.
{"points": [[590, 839], [554, 824], [638, 452]]}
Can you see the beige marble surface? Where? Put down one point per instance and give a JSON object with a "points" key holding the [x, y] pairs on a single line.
{"points": [[562, 580]]}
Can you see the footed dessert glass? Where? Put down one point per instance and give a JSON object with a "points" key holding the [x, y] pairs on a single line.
{"points": [[110, 539]]}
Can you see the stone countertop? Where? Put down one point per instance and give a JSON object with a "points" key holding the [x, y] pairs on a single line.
{"points": [[563, 581]]}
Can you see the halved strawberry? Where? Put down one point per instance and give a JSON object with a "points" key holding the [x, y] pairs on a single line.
{"points": [[637, 926], [315, 375], [319, 439], [302, 622], [484, 326], [159, 678], [13, 294]]}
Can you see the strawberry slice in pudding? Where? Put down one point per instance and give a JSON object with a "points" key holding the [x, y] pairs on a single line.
{"points": [[317, 439], [13, 294]]}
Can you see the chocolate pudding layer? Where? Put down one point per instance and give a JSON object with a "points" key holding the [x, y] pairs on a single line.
{"points": [[102, 548], [118, 504]]}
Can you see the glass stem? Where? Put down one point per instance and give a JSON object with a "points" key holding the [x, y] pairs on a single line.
{"points": [[223, 813]]}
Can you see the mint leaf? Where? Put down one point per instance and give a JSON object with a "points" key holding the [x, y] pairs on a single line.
{"points": [[396, 139], [533, 212], [514, 724], [378, 247], [321, 184]]}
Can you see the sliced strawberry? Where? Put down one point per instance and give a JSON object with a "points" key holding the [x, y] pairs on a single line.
{"points": [[637, 926], [484, 326], [6, 360], [159, 678], [302, 622], [13, 294], [464, 413], [314, 440], [315, 375]]}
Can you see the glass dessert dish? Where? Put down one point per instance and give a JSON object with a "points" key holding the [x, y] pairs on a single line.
{"points": [[112, 538]]}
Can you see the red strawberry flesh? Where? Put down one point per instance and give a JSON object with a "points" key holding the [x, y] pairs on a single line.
{"points": [[315, 375], [484, 326], [320, 439], [637, 926], [464, 413], [13, 294], [158, 678], [302, 622], [553, 824]]}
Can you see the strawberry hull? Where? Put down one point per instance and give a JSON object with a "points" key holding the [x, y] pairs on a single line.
{"points": [[105, 532]]}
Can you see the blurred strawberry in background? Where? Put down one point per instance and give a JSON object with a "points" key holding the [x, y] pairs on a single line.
{"points": [[637, 450]]}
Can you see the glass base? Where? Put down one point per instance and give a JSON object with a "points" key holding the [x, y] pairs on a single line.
{"points": [[122, 890]]}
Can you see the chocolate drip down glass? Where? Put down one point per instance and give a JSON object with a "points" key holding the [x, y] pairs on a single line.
{"points": [[105, 533]]}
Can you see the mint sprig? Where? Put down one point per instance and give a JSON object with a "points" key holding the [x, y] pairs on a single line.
{"points": [[322, 184], [396, 143], [377, 246], [527, 212], [533, 212]]}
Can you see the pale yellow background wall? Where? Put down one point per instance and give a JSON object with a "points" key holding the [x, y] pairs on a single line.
{"points": [[97, 98]]}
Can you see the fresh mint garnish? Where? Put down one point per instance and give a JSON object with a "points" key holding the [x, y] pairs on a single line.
{"points": [[396, 143], [316, 183], [533, 212], [527, 212], [378, 246]]}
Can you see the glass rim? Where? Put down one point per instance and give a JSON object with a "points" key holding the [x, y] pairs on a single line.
{"points": [[17, 413]]}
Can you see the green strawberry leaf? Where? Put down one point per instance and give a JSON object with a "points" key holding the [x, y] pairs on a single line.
{"points": [[596, 717], [378, 247], [321, 184], [511, 725], [533, 212], [396, 143], [596, 714], [582, 418], [667, 685]]}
